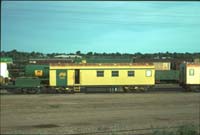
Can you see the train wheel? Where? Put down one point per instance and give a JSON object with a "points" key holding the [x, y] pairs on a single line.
{"points": [[24, 90], [72, 91], [57, 91], [193, 88], [32, 91], [16, 91], [144, 89]]}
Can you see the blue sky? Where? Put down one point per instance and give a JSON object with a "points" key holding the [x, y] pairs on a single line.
{"points": [[100, 26]]}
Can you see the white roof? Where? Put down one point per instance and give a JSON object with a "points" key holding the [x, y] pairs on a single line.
{"points": [[67, 56]]}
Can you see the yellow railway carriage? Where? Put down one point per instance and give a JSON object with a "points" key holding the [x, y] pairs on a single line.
{"points": [[190, 76], [115, 77]]}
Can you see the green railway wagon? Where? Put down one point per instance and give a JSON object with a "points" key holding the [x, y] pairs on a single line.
{"points": [[38, 70], [6, 60], [167, 76], [24, 85], [33, 70], [27, 82]]}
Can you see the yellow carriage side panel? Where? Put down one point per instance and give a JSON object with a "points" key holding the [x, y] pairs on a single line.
{"points": [[193, 74], [70, 77], [88, 74], [89, 77], [52, 77]]}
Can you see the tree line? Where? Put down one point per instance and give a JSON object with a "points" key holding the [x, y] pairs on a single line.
{"points": [[18, 55]]}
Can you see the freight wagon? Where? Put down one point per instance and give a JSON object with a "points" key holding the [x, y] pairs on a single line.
{"points": [[167, 76], [190, 76], [38, 70], [165, 73], [111, 77], [165, 70]]}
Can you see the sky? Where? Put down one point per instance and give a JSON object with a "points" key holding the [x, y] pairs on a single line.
{"points": [[100, 26]]}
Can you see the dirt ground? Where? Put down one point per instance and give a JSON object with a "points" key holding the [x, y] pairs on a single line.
{"points": [[84, 113]]}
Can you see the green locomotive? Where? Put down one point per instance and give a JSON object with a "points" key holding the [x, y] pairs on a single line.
{"points": [[35, 77]]}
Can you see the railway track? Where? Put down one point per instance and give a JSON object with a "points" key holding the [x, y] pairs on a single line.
{"points": [[150, 91]]}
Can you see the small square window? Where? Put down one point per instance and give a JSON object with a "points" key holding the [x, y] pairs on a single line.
{"points": [[100, 73], [148, 73], [131, 73], [191, 72], [115, 73]]}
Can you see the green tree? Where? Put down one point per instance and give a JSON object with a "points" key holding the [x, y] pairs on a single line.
{"points": [[78, 52], [90, 53]]}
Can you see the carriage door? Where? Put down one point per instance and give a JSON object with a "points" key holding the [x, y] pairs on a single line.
{"points": [[77, 76], [61, 77]]}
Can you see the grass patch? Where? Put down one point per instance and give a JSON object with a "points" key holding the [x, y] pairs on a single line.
{"points": [[182, 130]]}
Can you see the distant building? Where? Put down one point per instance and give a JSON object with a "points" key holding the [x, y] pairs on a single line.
{"points": [[162, 65], [50, 60], [68, 56], [197, 60]]}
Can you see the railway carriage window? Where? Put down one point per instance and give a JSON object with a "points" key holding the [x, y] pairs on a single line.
{"points": [[115, 73], [100, 73], [131, 73], [191, 72], [148, 73]]}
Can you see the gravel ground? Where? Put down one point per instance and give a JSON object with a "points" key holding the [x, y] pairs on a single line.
{"points": [[84, 113]]}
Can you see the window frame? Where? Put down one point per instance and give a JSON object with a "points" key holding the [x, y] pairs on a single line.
{"points": [[146, 73], [131, 75], [99, 73], [114, 75], [191, 73]]}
